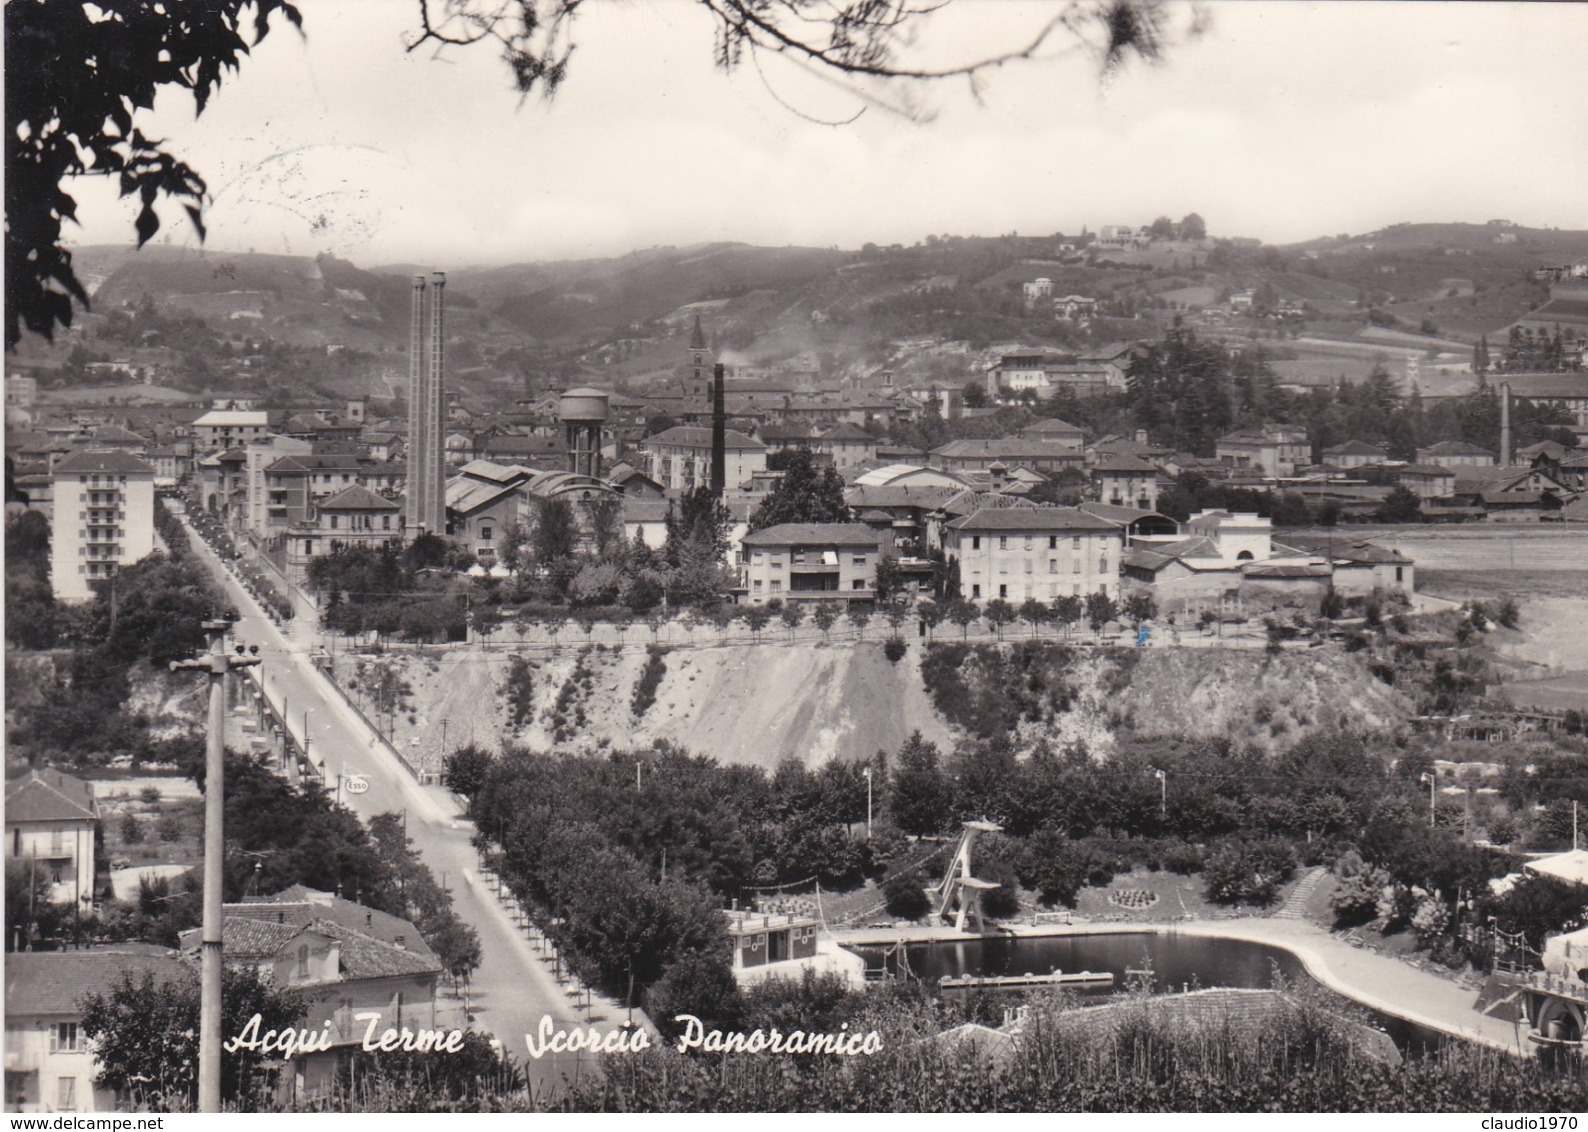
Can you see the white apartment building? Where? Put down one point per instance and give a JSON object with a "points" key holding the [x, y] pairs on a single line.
{"points": [[1015, 553], [104, 520]]}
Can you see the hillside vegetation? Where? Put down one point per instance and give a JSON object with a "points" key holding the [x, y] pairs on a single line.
{"points": [[1041, 690]]}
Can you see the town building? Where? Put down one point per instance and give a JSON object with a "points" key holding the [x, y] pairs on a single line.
{"points": [[1354, 454], [1015, 553], [960, 456], [50, 1066], [1456, 454], [1275, 451], [338, 972], [845, 445], [104, 520], [786, 945], [226, 428], [813, 562], [354, 516], [680, 458], [51, 820], [1427, 481], [1051, 430], [1126, 481]]}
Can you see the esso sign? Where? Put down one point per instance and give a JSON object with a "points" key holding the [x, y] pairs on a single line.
{"points": [[355, 785]]}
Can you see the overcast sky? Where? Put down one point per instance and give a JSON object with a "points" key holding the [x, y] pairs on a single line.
{"points": [[1287, 120]]}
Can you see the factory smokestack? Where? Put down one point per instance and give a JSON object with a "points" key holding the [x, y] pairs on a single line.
{"points": [[1505, 424], [426, 496], [719, 433]]}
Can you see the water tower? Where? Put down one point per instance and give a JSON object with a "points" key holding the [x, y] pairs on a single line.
{"points": [[583, 412]]}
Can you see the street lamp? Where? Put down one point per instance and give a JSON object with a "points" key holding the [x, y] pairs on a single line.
{"points": [[867, 773], [1432, 801], [1163, 791]]}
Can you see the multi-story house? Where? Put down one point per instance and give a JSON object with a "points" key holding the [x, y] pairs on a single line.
{"points": [[812, 562], [104, 520], [338, 972], [1015, 553], [1427, 481], [1354, 454], [51, 820], [1275, 450], [1126, 481], [680, 458], [960, 456], [354, 516], [50, 1066], [846, 445], [258, 457], [1456, 454], [223, 428]]}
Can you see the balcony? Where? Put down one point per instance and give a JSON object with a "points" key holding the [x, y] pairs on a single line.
{"points": [[22, 1060]]}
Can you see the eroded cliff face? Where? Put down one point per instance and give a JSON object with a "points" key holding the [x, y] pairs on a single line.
{"points": [[761, 704]]}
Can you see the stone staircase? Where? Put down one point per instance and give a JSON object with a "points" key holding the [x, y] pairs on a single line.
{"points": [[1295, 905]]}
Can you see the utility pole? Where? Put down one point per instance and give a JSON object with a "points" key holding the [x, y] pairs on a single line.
{"points": [[217, 664]]}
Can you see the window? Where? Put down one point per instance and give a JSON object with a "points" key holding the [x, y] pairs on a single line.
{"points": [[1028, 542], [1102, 564], [1075, 566], [303, 961], [756, 585], [335, 521], [1075, 543], [757, 557], [1003, 591], [1003, 542], [777, 586], [1400, 574], [1075, 590], [975, 542], [485, 533], [975, 591], [1028, 565], [66, 1094], [858, 584], [860, 560], [63, 1038], [1053, 542], [1053, 565]]}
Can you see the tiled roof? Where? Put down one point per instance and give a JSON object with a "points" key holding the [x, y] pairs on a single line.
{"points": [[49, 795], [696, 436], [255, 939], [808, 534], [1367, 552], [55, 983], [119, 463], [1356, 448], [847, 431], [365, 957], [1007, 448], [1453, 448], [1032, 519], [356, 497], [1123, 462], [302, 905]]}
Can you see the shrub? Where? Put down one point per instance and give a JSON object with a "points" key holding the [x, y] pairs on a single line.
{"points": [[131, 829], [895, 648], [906, 898], [149, 795], [169, 828], [650, 679]]}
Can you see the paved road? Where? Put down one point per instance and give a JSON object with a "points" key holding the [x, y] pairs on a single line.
{"points": [[513, 987]]}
